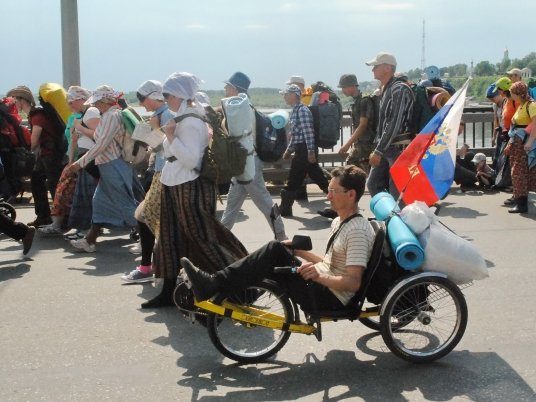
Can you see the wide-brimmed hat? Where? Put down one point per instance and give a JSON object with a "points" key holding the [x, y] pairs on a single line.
{"points": [[240, 81], [296, 79], [22, 91], [103, 92], [382, 58], [291, 89], [347, 80]]}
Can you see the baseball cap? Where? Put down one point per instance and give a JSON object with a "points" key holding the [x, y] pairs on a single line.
{"points": [[479, 157], [292, 88], [382, 58], [348, 80], [503, 83], [296, 79], [514, 71], [492, 91]]}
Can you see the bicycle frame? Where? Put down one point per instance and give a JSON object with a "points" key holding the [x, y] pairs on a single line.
{"points": [[254, 316]]}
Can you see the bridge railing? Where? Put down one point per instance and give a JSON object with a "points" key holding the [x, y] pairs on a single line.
{"points": [[477, 133]]}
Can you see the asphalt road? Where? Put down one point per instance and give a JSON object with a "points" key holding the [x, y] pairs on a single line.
{"points": [[71, 330]]}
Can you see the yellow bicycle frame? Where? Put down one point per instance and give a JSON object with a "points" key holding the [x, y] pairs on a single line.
{"points": [[254, 316]]}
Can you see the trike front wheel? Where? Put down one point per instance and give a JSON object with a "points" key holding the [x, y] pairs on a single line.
{"points": [[246, 342]]}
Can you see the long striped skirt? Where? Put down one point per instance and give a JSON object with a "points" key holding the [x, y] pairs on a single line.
{"points": [[523, 178], [189, 228]]}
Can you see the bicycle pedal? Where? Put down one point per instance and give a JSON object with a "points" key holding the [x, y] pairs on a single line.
{"points": [[185, 279]]}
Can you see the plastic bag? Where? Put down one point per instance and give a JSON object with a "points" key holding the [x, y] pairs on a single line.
{"points": [[418, 216], [448, 253]]}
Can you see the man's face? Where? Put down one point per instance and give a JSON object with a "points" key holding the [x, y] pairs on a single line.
{"points": [[514, 77], [381, 71], [290, 98], [350, 91], [230, 90], [338, 196]]}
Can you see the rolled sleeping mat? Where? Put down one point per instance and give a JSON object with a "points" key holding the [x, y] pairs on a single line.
{"points": [[55, 95], [279, 119], [408, 251], [240, 118]]}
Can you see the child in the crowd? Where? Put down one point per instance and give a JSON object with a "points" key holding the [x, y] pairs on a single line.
{"points": [[484, 174]]}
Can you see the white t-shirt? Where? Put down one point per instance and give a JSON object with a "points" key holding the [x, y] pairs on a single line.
{"points": [[352, 246], [83, 140]]}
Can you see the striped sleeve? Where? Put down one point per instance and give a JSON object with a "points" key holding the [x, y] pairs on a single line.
{"points": [[105, 132]]}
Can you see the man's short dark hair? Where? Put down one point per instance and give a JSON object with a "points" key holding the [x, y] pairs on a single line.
{"points": [[351, 178]]}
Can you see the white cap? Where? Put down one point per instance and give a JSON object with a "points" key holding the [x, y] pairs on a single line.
{"points": [[479, 157], [382, 58], [514, 71], [296, 79]]}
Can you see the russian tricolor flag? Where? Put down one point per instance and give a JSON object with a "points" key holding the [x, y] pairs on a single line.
{"points": [[425, 170]]}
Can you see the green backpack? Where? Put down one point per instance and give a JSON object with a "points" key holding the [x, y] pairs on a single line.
{"points": [[225, 157], [422, 111], [132, 151]]}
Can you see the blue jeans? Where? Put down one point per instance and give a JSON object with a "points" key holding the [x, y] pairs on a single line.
{"points": [[379, 177]]}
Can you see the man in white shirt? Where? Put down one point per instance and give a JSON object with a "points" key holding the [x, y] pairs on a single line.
{"points": [[335, 277]]}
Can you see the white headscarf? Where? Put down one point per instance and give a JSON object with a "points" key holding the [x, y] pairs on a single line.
{"points": [[182, 85], [151, 89]]}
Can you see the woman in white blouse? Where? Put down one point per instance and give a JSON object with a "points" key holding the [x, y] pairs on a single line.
{"points": [[188, 224]]}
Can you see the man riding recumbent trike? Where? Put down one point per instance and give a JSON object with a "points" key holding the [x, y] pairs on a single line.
{"points": [[252, 305]]}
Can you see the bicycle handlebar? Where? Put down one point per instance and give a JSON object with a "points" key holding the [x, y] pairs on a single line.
{"points": [[285, 270]]}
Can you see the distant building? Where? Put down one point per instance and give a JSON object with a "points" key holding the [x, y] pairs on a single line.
{"points": [[526, 73]]}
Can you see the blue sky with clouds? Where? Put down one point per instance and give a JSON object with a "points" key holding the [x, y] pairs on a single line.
{"points": [[124, 42]]}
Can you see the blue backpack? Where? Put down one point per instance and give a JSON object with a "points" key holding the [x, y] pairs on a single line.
{"points": [[531, 83]]}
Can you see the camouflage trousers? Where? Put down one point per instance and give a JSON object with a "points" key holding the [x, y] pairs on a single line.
{"points": [[359, 156]]}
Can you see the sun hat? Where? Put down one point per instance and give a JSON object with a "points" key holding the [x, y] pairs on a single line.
{"points": [[292, 88], [295, 79], [382, 58], [240, 81], [75, 93], [102, 92], [347, 80], [23, 92]]}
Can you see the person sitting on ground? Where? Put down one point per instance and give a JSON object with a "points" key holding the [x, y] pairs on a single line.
{"points": [[485, 175], [335, 277]]}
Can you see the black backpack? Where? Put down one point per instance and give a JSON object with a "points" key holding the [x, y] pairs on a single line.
{"points": [[270, 143], [422, 111], [327, 117]]}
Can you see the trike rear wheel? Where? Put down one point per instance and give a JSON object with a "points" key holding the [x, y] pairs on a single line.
{"points": [[8, 210], [246, 342], [424, 318]]}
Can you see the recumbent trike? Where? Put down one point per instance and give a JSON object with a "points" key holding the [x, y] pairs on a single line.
{"points": [[421, 315]]}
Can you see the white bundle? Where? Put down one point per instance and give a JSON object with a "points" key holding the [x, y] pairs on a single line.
{"points": [[418, 216], [452, 255]]}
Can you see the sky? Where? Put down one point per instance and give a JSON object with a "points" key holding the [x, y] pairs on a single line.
{"points": [[125, 42]]}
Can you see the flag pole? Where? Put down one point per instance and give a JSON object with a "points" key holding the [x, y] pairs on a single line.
{"points": [[432, 138]]}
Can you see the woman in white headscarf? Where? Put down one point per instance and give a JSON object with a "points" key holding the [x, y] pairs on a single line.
{"points": [[188, 224], [114, 201]]}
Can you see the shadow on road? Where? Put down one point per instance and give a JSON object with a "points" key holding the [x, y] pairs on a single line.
{"points": [[13, 272], [341, 376]]}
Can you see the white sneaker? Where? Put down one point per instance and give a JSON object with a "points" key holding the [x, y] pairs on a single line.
{"points": [[83, 245], [135, 249]]}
